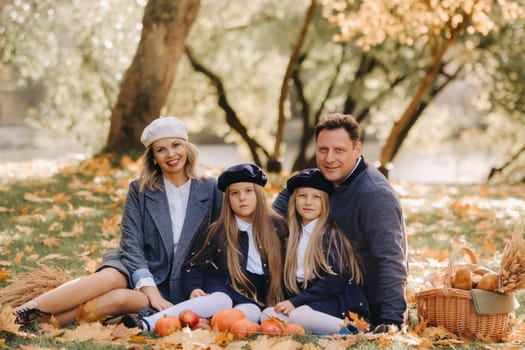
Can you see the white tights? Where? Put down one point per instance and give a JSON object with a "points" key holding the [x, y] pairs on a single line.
{"points": [[251, 311], [312, 320]]}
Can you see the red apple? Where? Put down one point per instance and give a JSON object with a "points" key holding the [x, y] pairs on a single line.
{"points": [[188, 318]]}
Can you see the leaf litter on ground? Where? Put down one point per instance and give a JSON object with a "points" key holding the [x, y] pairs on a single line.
{"points": [[56, 210]]}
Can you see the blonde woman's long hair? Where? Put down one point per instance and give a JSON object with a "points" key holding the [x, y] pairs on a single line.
{"points": [[316, 257], [265, 236], [150, 176]]}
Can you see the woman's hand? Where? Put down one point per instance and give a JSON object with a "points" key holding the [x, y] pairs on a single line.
{"points": [[156, 300], [197, 292], [284, 307]]}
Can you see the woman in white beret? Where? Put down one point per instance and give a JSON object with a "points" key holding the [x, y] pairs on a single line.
{"points": [[165, 207]]}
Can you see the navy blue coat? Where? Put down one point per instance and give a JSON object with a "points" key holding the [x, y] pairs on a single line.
{"points": [[333, 294], [209, 271]]}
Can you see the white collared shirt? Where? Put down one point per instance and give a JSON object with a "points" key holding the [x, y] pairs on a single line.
{"points": [[254, 263], [177, 202], [306, 233]]}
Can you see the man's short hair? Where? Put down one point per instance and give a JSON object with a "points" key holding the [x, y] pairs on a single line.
{"points": [[338, 120]]}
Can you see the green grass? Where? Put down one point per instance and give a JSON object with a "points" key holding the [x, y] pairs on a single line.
{"points": [[91, 197]]}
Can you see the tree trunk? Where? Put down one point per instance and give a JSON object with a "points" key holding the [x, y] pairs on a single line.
{"points": [[146, 83], [274, 162], [401, 128]]}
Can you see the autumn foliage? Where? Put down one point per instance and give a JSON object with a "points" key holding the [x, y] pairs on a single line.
{"points": [[43, 227]]}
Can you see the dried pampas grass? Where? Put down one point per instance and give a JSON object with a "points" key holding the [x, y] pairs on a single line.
{"points": [[512, 266], [28, 285]]}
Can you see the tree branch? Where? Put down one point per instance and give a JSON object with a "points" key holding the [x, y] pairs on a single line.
{"points": [[231, 116]]}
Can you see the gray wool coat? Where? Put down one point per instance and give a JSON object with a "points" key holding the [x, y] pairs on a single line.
{"points": [[146, 246]]}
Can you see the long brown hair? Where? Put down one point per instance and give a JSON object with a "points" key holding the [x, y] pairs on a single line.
{"points": [[265, 236], [150, 176], [316, 258]]}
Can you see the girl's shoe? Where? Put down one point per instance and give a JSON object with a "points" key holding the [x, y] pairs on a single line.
{"points": [[348, 328], [28, 313]]}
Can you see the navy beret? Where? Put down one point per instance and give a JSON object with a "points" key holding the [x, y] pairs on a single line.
{"points": [[309, 178], [241, 173]]}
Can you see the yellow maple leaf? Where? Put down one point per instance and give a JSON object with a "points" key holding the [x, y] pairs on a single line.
{"points": [[51, 242], [55, 226], [224, 339], [129, 163], [87, 331], [61, 198], [357, 321], [30, 197], [122, 332], [28, 219], [137, 339], [87, 312], [4, 274], [61, 213], [78, 230], [18, 258], [54, 322], [24, 229], [92, 265], [99, 166], [111, 227]]}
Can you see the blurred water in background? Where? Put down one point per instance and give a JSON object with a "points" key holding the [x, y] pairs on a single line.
{"points": [[449, 166]]}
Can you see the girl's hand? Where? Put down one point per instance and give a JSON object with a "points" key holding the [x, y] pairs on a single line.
{"points": [[156, 300], [284, 307], [197, 292]]}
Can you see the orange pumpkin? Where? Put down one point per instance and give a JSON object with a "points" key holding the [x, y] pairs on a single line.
{"points": [[272, 326], [243, 328], [167, 325], [293, 328], [224, 318]]}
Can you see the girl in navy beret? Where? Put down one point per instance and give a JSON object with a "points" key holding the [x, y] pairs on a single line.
{"points": [[321, 273], [240, 255]]}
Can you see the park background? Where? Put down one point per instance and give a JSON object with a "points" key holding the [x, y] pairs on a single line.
{"points": [[438, 87]]}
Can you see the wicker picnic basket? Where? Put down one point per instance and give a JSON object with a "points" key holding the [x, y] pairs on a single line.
{"points": [[454, 308]]}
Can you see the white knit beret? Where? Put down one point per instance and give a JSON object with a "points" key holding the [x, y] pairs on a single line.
{"points": [[164, 127]]}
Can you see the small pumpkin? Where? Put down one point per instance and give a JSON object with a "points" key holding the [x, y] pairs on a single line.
{"points": [[243, 328], [489, 281], [272, 326], [293, 328], [167, 325], [463, 279], [224, 318]]}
